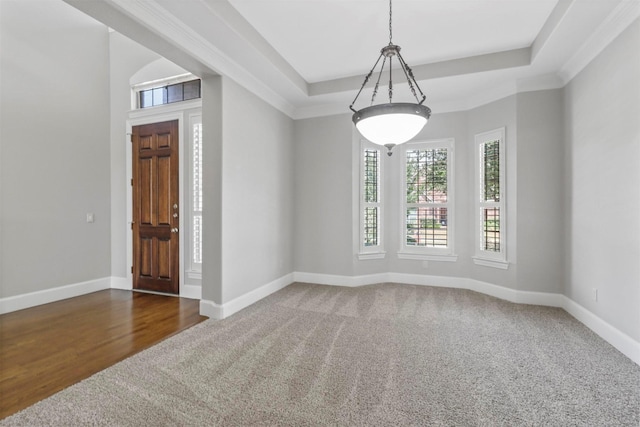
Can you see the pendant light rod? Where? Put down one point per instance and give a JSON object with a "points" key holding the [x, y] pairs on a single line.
{"points": [[388, 52], [391, 123]]}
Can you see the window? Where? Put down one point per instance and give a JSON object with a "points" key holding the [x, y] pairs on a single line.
{"points": [[427, 201], [168, 94], [371, 202], [490, 203], [196, 192]]}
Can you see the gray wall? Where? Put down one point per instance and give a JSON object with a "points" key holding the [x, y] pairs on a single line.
{"points": [[326, 177], [257, 192], [541, 194], [323, 213], [603, 180], [212, 188], [54, 132]]}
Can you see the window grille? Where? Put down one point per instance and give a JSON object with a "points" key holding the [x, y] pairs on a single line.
{"points": [[196, 184], [371, 198], [427, 198], [490, 195]]}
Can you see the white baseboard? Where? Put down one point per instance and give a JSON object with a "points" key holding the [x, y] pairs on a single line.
{"points": [[32, 299], [513, 295], [217, 311], [621, 341]]}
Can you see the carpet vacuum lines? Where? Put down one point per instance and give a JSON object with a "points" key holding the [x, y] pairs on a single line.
{"points": [[380, 355]]}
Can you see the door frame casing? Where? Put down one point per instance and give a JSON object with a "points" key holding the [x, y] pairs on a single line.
{"points": [[156, 115]]}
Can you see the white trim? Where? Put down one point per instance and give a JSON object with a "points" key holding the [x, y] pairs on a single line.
{"points": [[621, 341], [622, 16], [427, 257], [512, 295], [221, 311], [379, 248], [163, 113], [166, 81], [500, 257], [439, 252], [503, 265], [139, 116], [190, 291], [371, 255], [32, 299], [166, 25]]}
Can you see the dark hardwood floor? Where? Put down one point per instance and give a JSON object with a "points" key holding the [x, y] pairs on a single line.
{"points": [[47, 348]]}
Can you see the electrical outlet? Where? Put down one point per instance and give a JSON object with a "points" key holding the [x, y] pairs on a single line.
{"points": [[594, 294], [90, 217]]}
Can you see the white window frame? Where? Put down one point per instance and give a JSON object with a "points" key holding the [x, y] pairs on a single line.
{"points": [[484, 257], [377, 251], [422, 252]]}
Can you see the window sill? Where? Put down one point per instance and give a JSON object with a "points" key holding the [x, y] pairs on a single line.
{"points": [[371, 255], [502, 265], [427, 257]]}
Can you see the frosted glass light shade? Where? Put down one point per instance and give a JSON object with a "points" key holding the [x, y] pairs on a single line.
{"points": [[391, 123]]}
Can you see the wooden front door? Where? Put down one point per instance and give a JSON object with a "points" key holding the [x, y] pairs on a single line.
{"points": [[155, 207]]}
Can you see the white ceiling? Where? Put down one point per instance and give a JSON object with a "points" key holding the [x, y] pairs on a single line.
{"points": [[329, 39], [309, 57]]}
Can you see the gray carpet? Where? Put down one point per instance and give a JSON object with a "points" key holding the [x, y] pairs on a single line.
{"points": [[378, 355]]}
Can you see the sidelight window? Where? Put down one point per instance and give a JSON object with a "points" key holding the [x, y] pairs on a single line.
{"points": [[490, 201]]}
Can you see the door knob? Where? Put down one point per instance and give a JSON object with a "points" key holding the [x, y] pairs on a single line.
{"points": [[174, 230], [175, 215], [175, 206]]}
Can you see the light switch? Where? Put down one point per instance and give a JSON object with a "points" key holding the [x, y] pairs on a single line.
{"points": [[90, 217]]}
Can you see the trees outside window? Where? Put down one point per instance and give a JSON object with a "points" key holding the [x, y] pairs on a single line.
{"points": [[490, 203]]}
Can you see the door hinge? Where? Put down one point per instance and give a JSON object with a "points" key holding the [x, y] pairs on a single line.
{"points": [[132, 182], [132, 269], [132, 226]]}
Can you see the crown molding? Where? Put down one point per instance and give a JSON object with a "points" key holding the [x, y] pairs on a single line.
{"points": [[175, 32], [622, 16]]}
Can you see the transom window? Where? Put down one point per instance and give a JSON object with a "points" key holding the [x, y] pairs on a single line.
{"points": [[162, 94]]}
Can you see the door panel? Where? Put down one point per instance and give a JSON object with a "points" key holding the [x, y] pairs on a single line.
{"points": [[155, 207], [164, 191], [145, 191]]}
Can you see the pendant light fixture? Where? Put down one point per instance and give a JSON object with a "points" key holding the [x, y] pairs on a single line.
{"points": [[391, 123]]}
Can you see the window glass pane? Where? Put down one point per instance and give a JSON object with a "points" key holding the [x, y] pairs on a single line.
{"points": [[371, 226], [191, 89], [427, 227], [146, 98], [197, 192], [159, 96], [427, 176], [197, 239], [491, 229], [491, 171], [371, 175], [197, 167], [174, 93]]}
